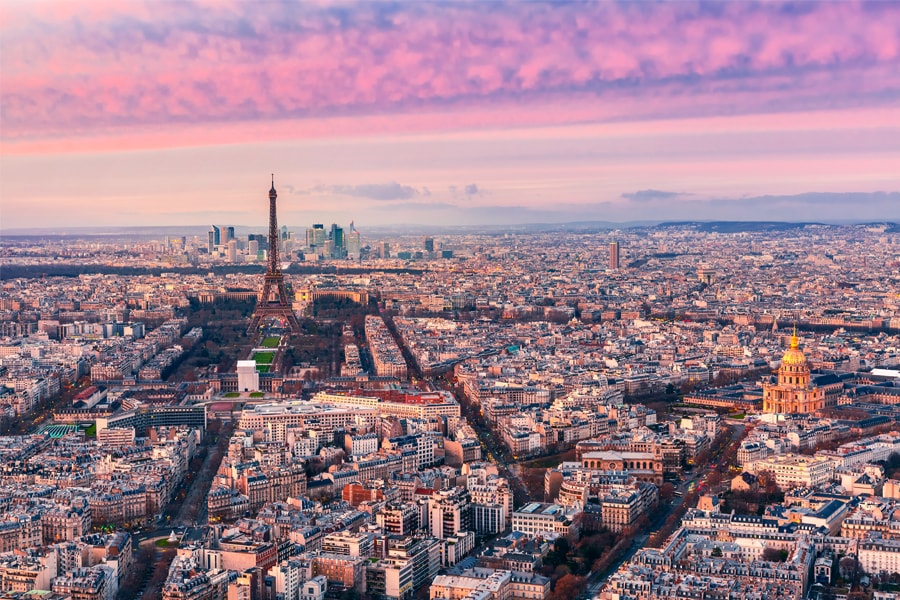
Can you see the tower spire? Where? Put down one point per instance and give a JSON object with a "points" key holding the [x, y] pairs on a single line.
{"points": [[273, 301]]}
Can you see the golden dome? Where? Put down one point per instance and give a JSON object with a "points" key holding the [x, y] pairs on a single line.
{"points": [[794, 356]]}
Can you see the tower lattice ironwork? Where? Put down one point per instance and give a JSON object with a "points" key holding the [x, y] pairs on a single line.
{"points": [[274, 301]]}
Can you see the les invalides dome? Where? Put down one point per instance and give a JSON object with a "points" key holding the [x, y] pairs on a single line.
{"points": [[793, 393]]}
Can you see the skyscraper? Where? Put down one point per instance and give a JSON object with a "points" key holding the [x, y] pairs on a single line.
{"points": [[614, 255], [215, 238], [353, 243], [429, 244], [315, 239], [318, 235], [337, 236], [262, 242]]}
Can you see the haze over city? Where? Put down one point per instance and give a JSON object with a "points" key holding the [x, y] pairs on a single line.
{"points": [[174, 113]]}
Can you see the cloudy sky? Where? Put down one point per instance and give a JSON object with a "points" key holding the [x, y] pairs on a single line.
{"points": [[165, 113]]}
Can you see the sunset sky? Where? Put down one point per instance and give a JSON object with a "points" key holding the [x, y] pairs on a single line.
{"points": [[176, 113]]}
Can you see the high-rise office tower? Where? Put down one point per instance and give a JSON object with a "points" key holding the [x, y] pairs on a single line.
{"points": [[229, 234], [429, 244], [614, 255], [319, 236], [384, 250], [315, 240], [353, 244], [337, 236], [214, 239], [262, 242]]}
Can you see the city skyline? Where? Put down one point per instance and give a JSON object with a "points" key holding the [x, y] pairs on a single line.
{"points": [[122, 115]]}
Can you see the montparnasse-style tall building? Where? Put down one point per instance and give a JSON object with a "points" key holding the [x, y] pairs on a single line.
{"points": [[793, 393], [614, 255]]}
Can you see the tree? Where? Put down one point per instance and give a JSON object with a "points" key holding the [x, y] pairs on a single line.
{"points": [[560, 571], [848, 567], [567, 587], [702, 457], [559, 554], [717, 552], [771, 485], [140, 571], [592, 547], [349, 594], [687, 387], [774, 554], [160, 573]]}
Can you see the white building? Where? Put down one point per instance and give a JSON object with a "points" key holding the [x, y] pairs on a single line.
{"points": [[324, 418], [361, 445], [449, 512], [795, 471], [537, 517], [248, 376], [488, 518], [876, 556], [314, 589], [289, 576]]}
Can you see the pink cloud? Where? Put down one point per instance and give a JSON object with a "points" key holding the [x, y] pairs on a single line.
{"points": [[133, 70]]}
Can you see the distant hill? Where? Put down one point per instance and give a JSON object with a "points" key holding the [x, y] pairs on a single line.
{"points": [[741, 226]]}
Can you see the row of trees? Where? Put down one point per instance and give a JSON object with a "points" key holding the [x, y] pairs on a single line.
{"points": [[141, 571], [722, 450], [569, 563], [225, 338]]}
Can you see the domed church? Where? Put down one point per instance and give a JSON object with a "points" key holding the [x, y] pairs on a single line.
{"points": [[793, 393]]}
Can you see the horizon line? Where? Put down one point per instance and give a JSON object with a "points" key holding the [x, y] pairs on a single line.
{"points": [[53, 230]]}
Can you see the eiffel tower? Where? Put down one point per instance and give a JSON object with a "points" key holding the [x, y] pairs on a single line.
{"points": [[273, 302]]}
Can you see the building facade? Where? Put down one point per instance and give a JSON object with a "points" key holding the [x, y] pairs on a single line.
{"points": [[793, 393]]}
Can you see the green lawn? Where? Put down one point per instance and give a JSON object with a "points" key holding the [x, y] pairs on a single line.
{"points": [[256, 394], [165, 543], [271, 342], [264, 358], [91, 431], [262, 368], [233, 395]]}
